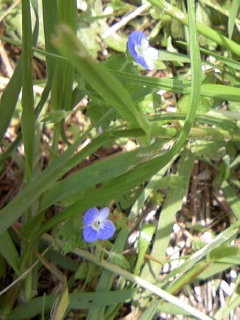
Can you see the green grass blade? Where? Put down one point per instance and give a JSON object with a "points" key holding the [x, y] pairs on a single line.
{"points": [[9, 251], [196, 78], [149, 313], [217, 91], [62, 94], [67, 12], [218, 267], [214, 118], [171, 56], [144, 241], [230, 62], [49, 22], [232, 198], [78, 301], [232, 16], [11, 93], [195, 67], [28, 115]]}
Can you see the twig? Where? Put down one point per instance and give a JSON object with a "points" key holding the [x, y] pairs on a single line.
{"points": [[4, 57], [23, 275], [7, 12], [125, 20]]}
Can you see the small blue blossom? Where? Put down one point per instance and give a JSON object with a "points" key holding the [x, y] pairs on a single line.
{"points": [[141, 51], [97, 226]]}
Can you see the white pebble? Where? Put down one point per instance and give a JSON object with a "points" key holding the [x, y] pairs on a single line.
{"points": [[176, 228], [108, 10], [226, 288], [233, 275]]}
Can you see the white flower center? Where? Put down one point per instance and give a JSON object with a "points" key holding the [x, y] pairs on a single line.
{"points": [[140, 48], [97, 224]]}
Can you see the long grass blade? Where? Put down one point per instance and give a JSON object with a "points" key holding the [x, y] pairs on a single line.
{"points": [[28, 115], [232, 17]]}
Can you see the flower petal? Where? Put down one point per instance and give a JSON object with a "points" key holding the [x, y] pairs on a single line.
{"points": [[148, 63], [135, 38], [147, 60], [103, 214], [144, 44], [151, 53], [89, 216], [142, 61], [90, 235], [106, 231]]}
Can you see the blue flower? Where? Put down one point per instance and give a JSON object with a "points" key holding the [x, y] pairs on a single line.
{"points": [[97, 226], [140, 50]]}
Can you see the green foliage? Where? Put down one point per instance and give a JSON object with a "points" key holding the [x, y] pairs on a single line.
{"points": [[70, 234], [119, 260], [125, 151]]}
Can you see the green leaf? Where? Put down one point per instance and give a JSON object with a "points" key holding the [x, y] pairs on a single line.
{"points": [[217, 91], [232, 16], [232, 199], [28, 114], [204, 104], [172, 56], [78, 301], [223, 252], [60, 305], [119, 260], [217, 267], [229, 62], [144, 242], [10, 95], [9, 251]]}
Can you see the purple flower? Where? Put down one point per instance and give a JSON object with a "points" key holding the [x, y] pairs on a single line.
{"points": [[141, 51], [97, 226]]}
